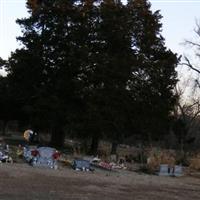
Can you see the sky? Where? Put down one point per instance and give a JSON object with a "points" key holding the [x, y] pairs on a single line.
{"points": [[178, 23], [10, 10]]}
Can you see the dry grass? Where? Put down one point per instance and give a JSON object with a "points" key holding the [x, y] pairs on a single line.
{"points": [[157, 157], [195, 162]]}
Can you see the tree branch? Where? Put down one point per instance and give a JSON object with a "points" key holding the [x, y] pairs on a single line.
{"points": [[192, 43], [188, 64]]}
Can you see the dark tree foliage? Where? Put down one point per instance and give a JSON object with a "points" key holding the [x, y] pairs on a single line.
{"points": [[154, 75], [9, 108], [95, 69]]}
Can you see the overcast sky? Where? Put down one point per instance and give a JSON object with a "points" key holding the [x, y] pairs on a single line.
{"points": [[178, 22]]}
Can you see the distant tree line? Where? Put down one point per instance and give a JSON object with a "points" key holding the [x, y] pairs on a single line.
{"points": [[91, 69]]}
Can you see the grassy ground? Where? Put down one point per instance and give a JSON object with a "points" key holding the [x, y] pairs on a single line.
{"points": [[20, 181]]}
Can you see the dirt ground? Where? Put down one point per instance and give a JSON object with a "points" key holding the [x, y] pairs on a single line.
{"points": [[20, 181]]}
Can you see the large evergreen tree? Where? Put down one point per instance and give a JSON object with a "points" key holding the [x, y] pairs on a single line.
{"points": [[94, 68], [154, 75]]}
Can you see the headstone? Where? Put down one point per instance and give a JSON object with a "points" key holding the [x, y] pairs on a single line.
{"points": [[80, 164], [178, 170], [113, 158], [164, 170], [46, 152]]}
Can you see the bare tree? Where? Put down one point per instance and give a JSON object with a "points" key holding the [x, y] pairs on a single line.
{"points": [[188, 110], [187, 115], [195, 45]]}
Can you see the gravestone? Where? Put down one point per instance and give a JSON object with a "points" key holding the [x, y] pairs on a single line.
{"points": [[178, 170], [164, 170]]}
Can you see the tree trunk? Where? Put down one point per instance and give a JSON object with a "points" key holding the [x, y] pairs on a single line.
{"points": [[150, 140], [114, 147], [5, 122], [57, 137], [94, 145]]}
